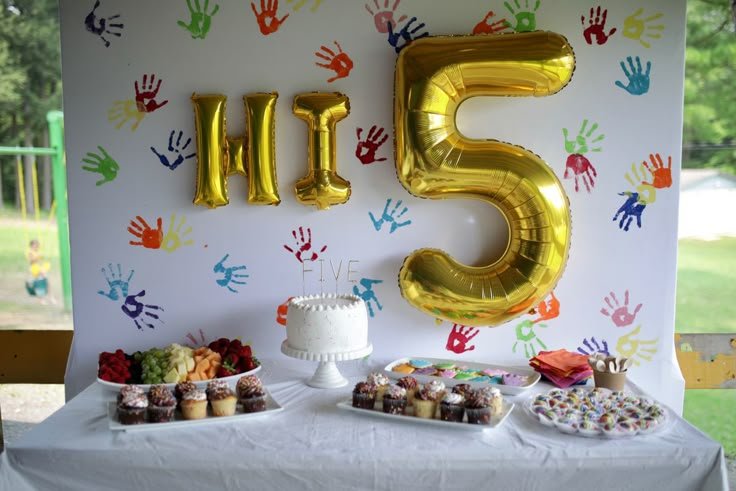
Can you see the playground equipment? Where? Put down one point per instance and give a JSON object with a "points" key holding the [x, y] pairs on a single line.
{"points": [[55, 121]]}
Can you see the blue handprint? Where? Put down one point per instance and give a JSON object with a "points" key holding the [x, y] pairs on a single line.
{"points": [[390, 217], [406, 33], [135, 309], [632, 208], [177, 149], [117, 286], [230, 274], [368, 295], [526, 20], [591, 347], [638, 79], [99, 26]]}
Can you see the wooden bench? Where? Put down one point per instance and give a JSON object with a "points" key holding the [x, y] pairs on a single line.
{"points": [[707, 361]]}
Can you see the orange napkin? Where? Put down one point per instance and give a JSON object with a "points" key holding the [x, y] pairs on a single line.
{"points": [[562, 367]]}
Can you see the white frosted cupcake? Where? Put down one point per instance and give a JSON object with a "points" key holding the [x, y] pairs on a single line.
{"points": [[194, 404]]}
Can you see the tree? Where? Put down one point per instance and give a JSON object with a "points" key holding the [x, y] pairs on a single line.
{"points": [[710, 100]]}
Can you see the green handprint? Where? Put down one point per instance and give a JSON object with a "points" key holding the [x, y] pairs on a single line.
{"points": [[104, 165], [201, 21], [525, 333], [526, 20], [581, 143], [172, 241]]}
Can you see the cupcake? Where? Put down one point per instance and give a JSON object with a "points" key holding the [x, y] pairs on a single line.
{"points": [[132, 408], [161, 404], [436, 389], [462, 389], [251, 394], [478, 407], [380, 381], [426, 400], [181, 388], [394, 400], [364, 395], [223, 401], [410, 385], [452, 407], [127, 390], [214, 385], [194, 404]]}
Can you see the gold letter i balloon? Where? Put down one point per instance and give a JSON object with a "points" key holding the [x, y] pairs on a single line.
{"points": [[434, 76], [322, 186]]}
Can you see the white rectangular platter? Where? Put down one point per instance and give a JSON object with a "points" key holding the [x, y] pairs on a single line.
{"points": [[532, 376], [409, 417], [271, 407]]}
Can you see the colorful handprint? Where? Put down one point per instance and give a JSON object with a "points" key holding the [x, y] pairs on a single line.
{"points": [[526, 18], [459, 337], [103, 164], [620, 314], [383, 17], [366, 149], [548, 308], [123, 111], [662, 176], [367, 294], [637, 28], [391, 217], [406, 34], [577, 165], [638, 79], [267, 18], [647, 192], [528, 338], [339, 62], [635, 349], [282, 310], [142, 314], [631, 210], [596, 28], [584, 140], [148, 237], [145, 95], [300, 3], [231, 275], [173, 238], [101, 26], [489, 25], [591, 347], [302, 249], [200, 19], [117, 286], [193, 342], [176, 157]]}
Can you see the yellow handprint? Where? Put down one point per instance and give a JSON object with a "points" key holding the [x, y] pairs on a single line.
{"points": [[647, 193], [300, 3], [125, 111], [636, 28], [172, 240], [636, 349]]}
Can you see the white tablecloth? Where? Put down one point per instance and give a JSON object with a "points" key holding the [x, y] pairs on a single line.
{"points": [[313, 444]]}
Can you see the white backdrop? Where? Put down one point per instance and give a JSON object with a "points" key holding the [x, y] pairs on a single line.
{"points": [[225, 271]]}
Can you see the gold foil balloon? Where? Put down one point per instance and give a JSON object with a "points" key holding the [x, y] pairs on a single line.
{"points": [[322, 186], [434, 75], [219, 156]]}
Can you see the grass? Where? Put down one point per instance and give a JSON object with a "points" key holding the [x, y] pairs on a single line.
{"points": [[15, 235], [706, 285]]}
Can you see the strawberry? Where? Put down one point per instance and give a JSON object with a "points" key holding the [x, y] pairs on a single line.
{"points": [[245, 351], [247, 364], [235, 345], [231, 359], [226, 370]]}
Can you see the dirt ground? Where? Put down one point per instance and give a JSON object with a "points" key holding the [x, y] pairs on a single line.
{"points": [[26, 312]]}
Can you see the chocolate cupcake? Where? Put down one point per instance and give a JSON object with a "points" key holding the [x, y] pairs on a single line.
{"points": [[181, 388], [452, 407], [132, 408], [251, 394], [364, 395], [477, 407], [394, 400], [162, 404]]}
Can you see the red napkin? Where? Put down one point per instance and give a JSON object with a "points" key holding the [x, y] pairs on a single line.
{"points": [[562, 367]]}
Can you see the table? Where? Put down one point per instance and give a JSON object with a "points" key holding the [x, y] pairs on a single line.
{"points": [[312, 444]]}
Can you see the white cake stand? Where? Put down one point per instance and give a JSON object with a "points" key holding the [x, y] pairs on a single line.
{"points": [[327, 376]]}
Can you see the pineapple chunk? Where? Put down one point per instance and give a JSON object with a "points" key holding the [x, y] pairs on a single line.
{"points": [[171, 377]]}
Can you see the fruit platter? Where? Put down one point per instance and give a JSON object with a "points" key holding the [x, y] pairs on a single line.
{"points": [[224, 358]]}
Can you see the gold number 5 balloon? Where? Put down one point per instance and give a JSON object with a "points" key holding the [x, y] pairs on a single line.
{"points": [[433, 160]]}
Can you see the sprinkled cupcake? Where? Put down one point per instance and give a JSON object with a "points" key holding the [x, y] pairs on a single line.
{"points": [[364, 395], [183, 387], [223, 400], [380, 381], [162, 404], [194, 404], [410, 385], [452, 407], [251, 393], [132, 408], [394, 400]]}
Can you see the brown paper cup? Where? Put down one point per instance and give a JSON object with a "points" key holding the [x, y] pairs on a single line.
{"points": [[607, 380]]}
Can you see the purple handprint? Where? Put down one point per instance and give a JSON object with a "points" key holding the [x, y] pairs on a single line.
{"points": [[135, 309], [591, 347]]}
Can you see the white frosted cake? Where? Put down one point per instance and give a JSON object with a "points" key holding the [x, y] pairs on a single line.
{"points": [[327, 323]]}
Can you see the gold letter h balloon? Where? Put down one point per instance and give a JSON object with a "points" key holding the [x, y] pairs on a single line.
{"points": [[254, 155]]}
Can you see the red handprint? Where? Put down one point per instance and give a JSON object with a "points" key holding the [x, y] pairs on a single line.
{"points": [[304, 246], [268, 22], [366, 149], [662, 175], [338, 62], [620, 314], [487, 26], [582, 170], [194, 343], [596, 27], [459, 337], [548, 308], [383, 17], [281, 312], [150, 238], [145, 100]]}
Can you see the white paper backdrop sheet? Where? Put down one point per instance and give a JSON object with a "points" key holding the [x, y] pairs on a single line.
{"points": [[233, 58]]}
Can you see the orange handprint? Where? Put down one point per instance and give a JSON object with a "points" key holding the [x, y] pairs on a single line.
{"points": [[148, 237], [662, 175], [338, 62], [268, 22], [487, 26], [548, 309], [281, 312]]}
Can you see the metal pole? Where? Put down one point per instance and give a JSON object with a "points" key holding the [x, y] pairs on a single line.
{"points": [[56, 138]]}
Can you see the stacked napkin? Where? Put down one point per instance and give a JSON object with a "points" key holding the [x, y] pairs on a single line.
{"points": [[562, 367]]}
